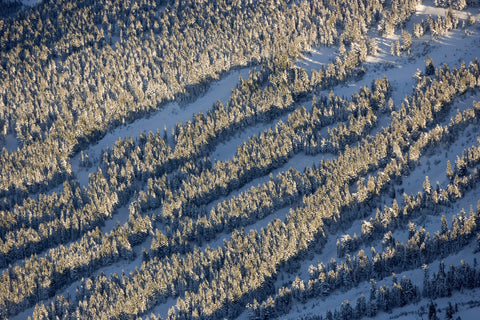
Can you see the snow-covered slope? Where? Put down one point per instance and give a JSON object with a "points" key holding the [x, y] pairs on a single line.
{"points": [[402, 72]]}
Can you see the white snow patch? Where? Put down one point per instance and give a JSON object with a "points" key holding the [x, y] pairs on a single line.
{"points": [[316, 58], [11, 143], [162, 309], [30, 3], [119, 219], [469, 313]]}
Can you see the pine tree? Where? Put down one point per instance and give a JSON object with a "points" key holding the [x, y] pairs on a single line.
{"points": [[449, 311], [444, 229], [432, 311], [429, 67], [449, 170], [361, 307]]}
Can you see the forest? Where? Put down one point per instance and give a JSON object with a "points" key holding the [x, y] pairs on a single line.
{"points": [[239, 159]]}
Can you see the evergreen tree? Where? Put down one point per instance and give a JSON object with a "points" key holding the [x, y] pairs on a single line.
{"points": [[432, 311], [429, 67]]}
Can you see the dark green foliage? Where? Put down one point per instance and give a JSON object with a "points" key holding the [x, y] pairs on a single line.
{"points": [[429, 67], [9, 8]]}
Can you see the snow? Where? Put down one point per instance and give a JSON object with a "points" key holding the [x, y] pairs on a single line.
{"points": [[317, 57], [162, 309], [473, 312], [30, 3], [24, 314], [11, 143], [120, 218], [427, 7]]}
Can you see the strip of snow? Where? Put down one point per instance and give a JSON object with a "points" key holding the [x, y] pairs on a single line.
{"points": [[30, 3], [120, 217], [434, 163], [162, 309]]}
